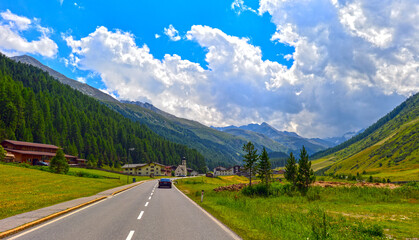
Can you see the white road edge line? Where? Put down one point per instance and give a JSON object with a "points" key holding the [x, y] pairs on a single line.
{"points": [[131, 233], [55, 220], [141, 214], [146, 204], [224, 227], [67, 215]]}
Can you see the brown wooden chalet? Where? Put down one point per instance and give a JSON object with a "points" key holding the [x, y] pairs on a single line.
{"points": [[31, 153]]}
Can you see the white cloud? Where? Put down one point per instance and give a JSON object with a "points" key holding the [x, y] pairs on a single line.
{"points": [[15, 21], [238, 6], [157, 36], [353, 61], [172, 33], [345, 73], [12, 42], [81, 79]]}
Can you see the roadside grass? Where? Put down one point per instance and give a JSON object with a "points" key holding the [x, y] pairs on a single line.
{"points": [[94, 173], [23, 189], [323, 213]]}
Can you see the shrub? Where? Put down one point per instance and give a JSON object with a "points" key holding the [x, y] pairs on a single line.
{"points": [[257, 190]]}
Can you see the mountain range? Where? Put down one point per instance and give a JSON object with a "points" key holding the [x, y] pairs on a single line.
{"points": [[218, 148], [390, 145], [290, 141]]}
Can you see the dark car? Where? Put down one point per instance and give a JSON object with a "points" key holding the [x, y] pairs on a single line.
{"points": [[165, 182], [41, 163]]}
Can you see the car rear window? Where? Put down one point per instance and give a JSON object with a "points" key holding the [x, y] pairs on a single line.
{"points": [[165, 180]]}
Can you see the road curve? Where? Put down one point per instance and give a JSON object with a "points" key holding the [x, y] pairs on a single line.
{"points": [[143, 212]]}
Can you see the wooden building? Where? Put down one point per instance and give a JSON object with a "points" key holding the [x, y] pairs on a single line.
{"points": [[31, 153]]}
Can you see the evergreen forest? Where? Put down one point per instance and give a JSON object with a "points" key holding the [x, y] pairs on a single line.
{"points": [[34, 107]]}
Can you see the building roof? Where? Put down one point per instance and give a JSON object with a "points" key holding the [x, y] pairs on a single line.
{"points": [[140, 165], [134, 165], [29, 144], [50, 154], [220, 169]]}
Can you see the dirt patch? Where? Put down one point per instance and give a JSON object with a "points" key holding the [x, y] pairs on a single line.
{"points": [[359, 184], [231, 188]]}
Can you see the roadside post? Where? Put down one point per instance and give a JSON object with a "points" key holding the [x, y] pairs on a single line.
{"points": [[202, 195]]}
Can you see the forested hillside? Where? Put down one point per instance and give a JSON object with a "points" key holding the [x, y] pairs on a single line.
{"points": [[35, 107], [389, 145]]}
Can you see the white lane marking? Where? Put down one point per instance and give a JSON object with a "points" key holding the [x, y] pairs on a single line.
{"points": [[224, 227], [141, 214], [53, 221], [149, 198], [68, 214], [151, 194], [131, 233], [146, 204]]}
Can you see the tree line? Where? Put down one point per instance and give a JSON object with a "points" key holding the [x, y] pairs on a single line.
{"points": [[300, 176], [34, 107]]}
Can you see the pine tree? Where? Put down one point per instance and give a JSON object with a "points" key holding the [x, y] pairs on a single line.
{"points": [[2, 153], [250, 159], [291, 170], [264, 168], [305, 174], [59, 163]]}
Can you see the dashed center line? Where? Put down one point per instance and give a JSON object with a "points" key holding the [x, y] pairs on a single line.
{"points": [[149, 198], [131, 233], [146, 204], [151, 194], [141, 214]]}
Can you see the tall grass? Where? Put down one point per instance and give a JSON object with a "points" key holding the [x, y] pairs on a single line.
{"points": [[321, 213]]}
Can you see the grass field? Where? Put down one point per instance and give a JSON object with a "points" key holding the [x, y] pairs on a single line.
{"points": [[23, 190], [324, 213], [124, 179]]}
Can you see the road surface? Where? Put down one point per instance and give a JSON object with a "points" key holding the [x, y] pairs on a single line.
{"points": [[143, 212]]}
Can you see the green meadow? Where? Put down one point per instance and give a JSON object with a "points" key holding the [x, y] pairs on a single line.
{"points": [[323, 213], [24, 189]]}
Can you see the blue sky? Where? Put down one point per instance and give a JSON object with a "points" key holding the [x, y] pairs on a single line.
{"points": [[316, 67]]}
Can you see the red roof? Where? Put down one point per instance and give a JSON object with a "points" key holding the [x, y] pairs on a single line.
{"points": [[36, 153], [29, 144]]}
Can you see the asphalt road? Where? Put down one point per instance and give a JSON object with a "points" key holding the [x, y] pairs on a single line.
{"points": [[143, 212]]}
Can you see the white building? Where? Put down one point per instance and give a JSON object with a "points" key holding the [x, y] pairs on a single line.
{"points": [[222, 171], [181, 170]]}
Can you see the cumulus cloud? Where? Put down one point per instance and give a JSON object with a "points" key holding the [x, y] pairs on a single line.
{"points": [[172, 33], [349, 68], [12, 42], [353, 60]]}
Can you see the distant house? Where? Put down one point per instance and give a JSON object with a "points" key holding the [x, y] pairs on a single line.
{"points": [[168, 171], [222, 171], [145, 169], [192, 172], [32, 153], [280, 171]]}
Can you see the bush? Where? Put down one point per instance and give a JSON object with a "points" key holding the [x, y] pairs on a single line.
{"points": [[257, 190], [313, 194]]}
